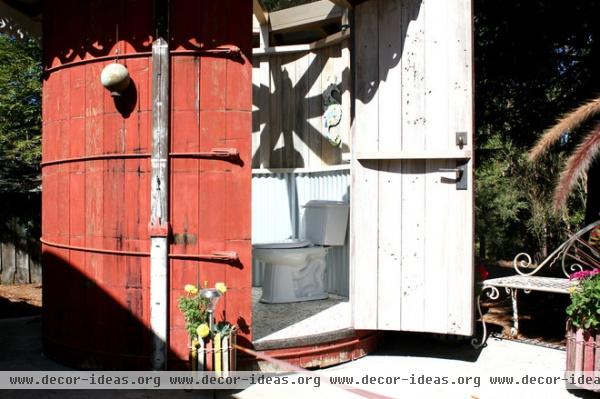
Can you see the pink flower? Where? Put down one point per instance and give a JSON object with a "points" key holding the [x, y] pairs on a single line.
{"points": [[583, 274]]}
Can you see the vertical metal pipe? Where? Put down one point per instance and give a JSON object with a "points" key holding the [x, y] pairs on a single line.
{"points": [[159, 214]]}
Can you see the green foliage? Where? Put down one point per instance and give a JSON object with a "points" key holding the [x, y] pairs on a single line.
{"points": [[584, 310], [20, 114], [514, 203], [500, 205], [525, 78], [195, 312], [224, 328], [194, 309]]}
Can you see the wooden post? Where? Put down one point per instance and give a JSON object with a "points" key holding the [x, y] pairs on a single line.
{"points": [[35, 270], [265, 133], [588, 352], [225, 349], [570, 347], [579, 342], [596, 357], [260, 12], [346, 83], [159, 216], [217, 354], [201, 355], [8, 263], [21, 266]]}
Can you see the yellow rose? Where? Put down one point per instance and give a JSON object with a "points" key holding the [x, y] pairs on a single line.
{"points": [[221, 287], [203, 330], [190, 289]]}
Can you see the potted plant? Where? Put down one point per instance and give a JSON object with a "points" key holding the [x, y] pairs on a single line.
{"points": [[212, 345], [583, 330]]}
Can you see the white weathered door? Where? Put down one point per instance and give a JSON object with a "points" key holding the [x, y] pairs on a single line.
{"points": [[412, 214]]}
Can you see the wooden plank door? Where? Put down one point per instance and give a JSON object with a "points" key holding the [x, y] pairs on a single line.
{"points": [[211, 108], [411, 225]]}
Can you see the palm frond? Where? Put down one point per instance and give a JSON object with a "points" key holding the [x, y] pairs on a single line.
{"points": [[577, 165], [568, 122]]}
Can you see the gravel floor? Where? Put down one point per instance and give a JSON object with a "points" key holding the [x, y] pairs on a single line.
{"points": [[290, 320]]}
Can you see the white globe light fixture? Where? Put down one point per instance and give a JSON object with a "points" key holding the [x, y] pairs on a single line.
{"points": [[115, 77]]}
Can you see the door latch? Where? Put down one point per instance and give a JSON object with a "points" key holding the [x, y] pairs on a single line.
{"points": [[461, 139], [461, 171]]}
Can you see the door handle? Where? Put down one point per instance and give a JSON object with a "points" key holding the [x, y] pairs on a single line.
{"points": [[461, 179], [458, 171]]}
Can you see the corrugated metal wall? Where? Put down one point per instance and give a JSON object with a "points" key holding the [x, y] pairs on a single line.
{"points": [[277, 212]]}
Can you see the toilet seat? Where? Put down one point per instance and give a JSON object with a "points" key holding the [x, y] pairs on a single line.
{"points": [[285, 244]]}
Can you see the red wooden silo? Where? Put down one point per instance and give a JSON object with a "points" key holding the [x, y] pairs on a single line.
{"points": [[97, 172]]}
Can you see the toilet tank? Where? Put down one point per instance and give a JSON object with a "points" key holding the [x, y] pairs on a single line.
{"points": [[325, 222]]}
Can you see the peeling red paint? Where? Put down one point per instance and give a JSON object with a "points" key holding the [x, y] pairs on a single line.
{"points": [[97, 303]]}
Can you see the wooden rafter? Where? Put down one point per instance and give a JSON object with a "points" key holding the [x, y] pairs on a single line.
{"points": [[295, 18], [296, 48], [261, 13], [342, 3]]}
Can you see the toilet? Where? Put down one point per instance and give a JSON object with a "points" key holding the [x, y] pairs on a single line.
{"points": [[295, 269]]}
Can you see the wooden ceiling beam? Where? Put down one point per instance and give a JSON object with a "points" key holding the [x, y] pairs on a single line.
{"points": [[342, 3], [261, 13], [303, 16]]}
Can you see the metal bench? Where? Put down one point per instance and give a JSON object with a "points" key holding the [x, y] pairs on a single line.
{"points": [[575, 254]]}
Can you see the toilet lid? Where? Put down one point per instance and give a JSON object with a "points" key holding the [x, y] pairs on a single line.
{"points": [[294, 243]]}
